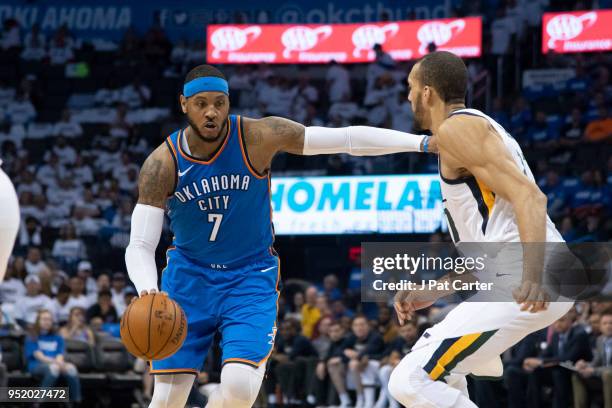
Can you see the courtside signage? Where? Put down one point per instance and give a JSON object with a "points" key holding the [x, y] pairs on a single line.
{"points": [[357, 204], [577, 31], [345, 43]]}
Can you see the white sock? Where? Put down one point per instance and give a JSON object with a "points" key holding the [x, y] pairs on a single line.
{"points": [[369, 394], [345, 401], [359, 403]]}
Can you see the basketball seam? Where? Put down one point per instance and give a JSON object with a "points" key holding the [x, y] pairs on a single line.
{"points": [[149, 329], [171, 331], [127, 322]]}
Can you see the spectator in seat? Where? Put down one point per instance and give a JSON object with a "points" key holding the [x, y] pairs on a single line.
{"points": [[555, 193], [499, 113], [69, 249], [330, 287], [136, 94], [30, 233], [34, 263], [103, 282], [21, 111], [540, 133], [61, 47], [520, 119], [85, 272], [67, 127], [593, 328], [295, 308], [600, 129], [60, 305], [294, 359], [44, 351], [332, 359], [50, 173], [362, 352], [338, 82], [66, 153], [76, 328], [573, 131], [386, 324], [78, 296], [569, 343], [28, 183], [383, 63], [343, 112], [103, 311], [310, 312], [516, 377], [12, 287], [118, 291], [10, 34], [595, 376], [122, 170], [393, 354]]}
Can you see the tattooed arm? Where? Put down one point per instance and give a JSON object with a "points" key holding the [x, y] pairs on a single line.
{"points": [[283, 135], [155, 184], [157, 178]]}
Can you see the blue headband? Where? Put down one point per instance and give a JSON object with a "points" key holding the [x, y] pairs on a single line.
{"points": [[205, 84]]}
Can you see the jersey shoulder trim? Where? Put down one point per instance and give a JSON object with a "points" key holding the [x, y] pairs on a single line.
{"points": [[243, 149], [170, 147]]}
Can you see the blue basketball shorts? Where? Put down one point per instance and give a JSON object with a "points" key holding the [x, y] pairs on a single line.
{"points": [[241, 303]]}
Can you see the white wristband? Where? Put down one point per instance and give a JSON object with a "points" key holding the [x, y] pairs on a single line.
{"points": [[359, 141]]}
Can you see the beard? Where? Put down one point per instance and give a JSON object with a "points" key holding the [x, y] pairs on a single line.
{"points": [[196, 129], [420, 115]]}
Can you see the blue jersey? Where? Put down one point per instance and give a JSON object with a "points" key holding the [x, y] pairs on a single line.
{"points": [[220, 211]]}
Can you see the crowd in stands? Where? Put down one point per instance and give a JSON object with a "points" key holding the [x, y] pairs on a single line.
{"points": [[73, 147]]}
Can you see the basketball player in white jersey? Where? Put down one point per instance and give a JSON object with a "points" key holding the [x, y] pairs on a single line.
{"points": [[9, 220], [490, 196]]}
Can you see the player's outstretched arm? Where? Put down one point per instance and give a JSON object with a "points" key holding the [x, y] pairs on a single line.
{"points": [[155, 183], [481, 151], [287, 136]]}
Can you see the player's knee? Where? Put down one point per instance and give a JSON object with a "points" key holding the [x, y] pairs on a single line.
{"points": [[403, 388], [354, 365], [171, 391], [240, 384]]}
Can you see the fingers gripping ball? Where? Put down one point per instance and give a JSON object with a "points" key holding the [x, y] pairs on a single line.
{"points": [[153, 327]]}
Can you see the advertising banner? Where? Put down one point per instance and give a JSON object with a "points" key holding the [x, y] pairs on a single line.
{"points": [[357, 204], [344, 43], [577, 31]]}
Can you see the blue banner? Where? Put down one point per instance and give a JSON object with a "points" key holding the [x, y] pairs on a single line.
{"points": [[108, 19]]}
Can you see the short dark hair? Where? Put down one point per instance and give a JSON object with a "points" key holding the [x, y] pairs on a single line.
{"points": [[446, 73], [203, 70]]}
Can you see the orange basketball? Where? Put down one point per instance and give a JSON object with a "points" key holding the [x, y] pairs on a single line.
{"points": [[153, 327]]}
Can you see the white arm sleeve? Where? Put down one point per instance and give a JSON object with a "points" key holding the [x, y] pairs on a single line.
{"points": [[359, 141], [147, 223]]}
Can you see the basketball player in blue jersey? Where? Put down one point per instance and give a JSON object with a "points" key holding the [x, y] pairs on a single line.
{"points": [[213, 178]]}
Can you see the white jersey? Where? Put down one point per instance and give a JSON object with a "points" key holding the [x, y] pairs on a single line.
{"points": [[474, 213]]}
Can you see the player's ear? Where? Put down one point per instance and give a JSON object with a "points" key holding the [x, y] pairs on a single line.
{"points": [[183, 101]]}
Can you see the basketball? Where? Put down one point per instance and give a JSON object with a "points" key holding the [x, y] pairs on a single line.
{"points": [[153, 327]]}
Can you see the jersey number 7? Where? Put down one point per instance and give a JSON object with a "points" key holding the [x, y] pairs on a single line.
{"points": [[216, 219]]}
